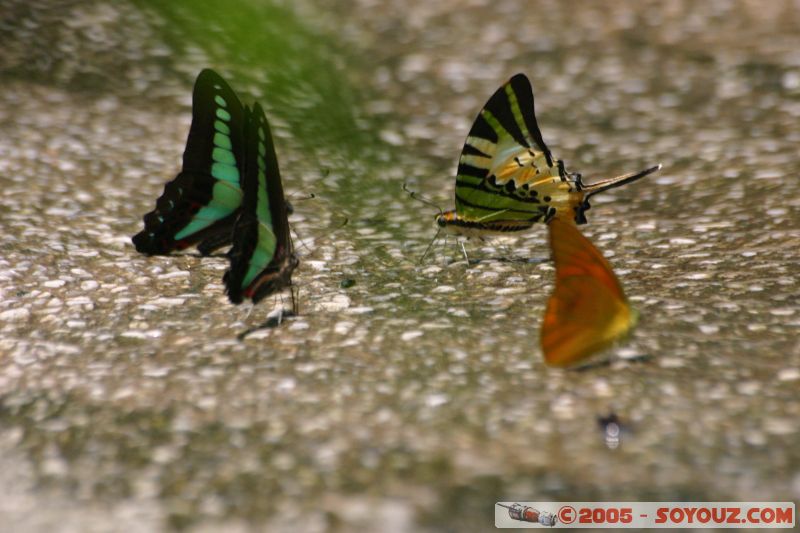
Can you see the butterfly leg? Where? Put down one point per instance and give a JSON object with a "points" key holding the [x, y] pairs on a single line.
{"points": [[280, 310], [428, 249], [295, 300], [506, 252], [464, 250], [448, 259]]}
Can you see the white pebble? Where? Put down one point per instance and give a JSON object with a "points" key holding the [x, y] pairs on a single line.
{"points": [[156, 372], [435, 400], [14, 315], [442, 289], [286, 385], [359, 310], [89, 285], [316, 265], [167, 302], [138, 334], [338, 303], [343, 328], [176, 274], [780, 426], [410, 335]]}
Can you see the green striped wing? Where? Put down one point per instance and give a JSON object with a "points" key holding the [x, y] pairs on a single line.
{"points": [[202, 203], [505, 160], [262, 258]]}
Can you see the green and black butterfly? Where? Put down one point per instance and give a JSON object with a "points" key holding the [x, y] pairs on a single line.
{"points": [[507, 179], [203, 201], [229, 191], [262, 256]]}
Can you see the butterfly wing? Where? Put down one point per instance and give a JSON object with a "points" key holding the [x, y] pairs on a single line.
{"points": [[202, 202], [503, 158], [587, 310], [262, 258]]}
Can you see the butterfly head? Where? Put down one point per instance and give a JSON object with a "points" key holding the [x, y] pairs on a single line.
{"points": [[582, 200], [582, 205], [444, 218]]}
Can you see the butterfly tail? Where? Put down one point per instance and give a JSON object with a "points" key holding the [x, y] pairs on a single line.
{"points": [[611, 183], [584, 192]]}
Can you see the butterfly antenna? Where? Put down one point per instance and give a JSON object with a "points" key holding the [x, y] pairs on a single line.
{"points": [[290, 207], [300, 239], [306, 195], [345, 222], [416, 196]]}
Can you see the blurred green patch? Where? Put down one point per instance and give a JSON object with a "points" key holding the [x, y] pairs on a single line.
{"points": [[300, 72]]}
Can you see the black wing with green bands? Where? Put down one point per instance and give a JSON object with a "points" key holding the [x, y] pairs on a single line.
{"points": [[262, 258], [203, 201]]}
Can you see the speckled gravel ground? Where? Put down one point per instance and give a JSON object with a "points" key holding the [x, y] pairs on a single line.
{"points": [[404, 397]]}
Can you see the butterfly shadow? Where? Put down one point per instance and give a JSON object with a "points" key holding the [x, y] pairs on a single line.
{"points": [[511, 260], [504, 255], [608, 361], [271, 322]]}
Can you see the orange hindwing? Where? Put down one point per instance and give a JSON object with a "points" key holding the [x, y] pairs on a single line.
{"points": [[588, 310]]}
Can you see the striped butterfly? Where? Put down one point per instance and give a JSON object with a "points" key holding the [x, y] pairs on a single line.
{"points": [[507, 179], [587, 311], [201, 204], [262, 257]]}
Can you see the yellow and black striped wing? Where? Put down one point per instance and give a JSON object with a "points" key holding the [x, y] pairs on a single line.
{"points": [[505, 169]]}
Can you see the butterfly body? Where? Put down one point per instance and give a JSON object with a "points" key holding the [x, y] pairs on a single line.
{"points": [[507, 179], [543, 199]]}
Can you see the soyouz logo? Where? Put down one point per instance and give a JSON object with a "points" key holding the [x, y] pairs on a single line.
{"points": [[620, 515], [529, 514]]}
